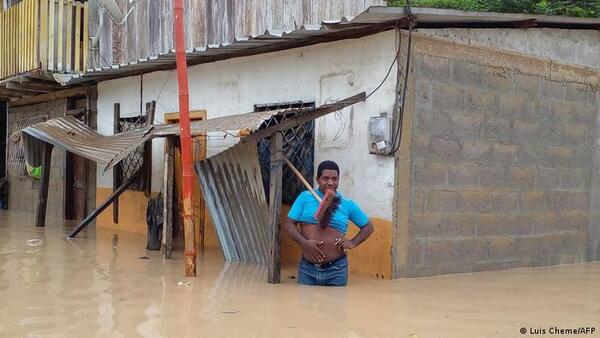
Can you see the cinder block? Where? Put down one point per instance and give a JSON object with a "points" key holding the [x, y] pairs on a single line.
{"points": [[503, 201], [547, 178], [459, 225], [444, 150], [504, 154], [463, 175], [572, 221], [435, 123], [573, 179], [510, 106], [577, 135], [525, 132], [502, 248], [466, 127], [418, 200], [447, 98], [474, 201], [420, 145], [549, 133], [545, 223], [522, 178], [480, 102], [428, 173], [494, 177], [476, 151], [427, 225], [433, 68], [533, 201], [581, 158], [497, 129], [442, 200], [559, 156]]}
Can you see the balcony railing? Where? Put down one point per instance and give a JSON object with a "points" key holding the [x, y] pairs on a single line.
{"points": [[49, 35]]}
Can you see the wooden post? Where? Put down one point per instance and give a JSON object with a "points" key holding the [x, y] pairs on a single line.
{"points": [[40, 218], [147, 176], [117, 168], [168, 182], [275, 208]]}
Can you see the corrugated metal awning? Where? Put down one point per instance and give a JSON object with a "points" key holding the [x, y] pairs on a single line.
{"points": [[371, 21], [73, 135]]}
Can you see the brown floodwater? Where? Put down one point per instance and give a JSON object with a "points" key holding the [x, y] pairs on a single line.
{"points": [[105, 284]]}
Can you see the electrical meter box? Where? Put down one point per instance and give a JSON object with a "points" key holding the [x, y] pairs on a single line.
{"points": [[380, 134]]}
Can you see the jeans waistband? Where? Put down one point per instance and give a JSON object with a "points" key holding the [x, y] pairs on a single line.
{"points": [[324, 265]]}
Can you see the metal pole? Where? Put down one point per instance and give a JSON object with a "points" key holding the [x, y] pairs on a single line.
{"points": [[186, 140]]}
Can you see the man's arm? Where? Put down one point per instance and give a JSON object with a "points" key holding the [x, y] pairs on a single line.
{"points": [[362, 236], [309, 246]]}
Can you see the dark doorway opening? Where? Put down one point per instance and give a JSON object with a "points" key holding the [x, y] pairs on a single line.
{"points": [[76, 169], [3, 137]]}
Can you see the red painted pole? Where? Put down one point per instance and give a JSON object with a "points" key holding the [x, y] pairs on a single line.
{"points": [[186, 140]]}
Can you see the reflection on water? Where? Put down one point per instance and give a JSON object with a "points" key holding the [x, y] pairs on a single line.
{"points": [[99, 285]]}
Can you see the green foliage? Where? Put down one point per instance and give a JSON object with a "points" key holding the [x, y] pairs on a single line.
{"points": [[581, 8]]}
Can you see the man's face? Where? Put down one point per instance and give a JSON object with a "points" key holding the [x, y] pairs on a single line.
{"points": [[328, 180]]}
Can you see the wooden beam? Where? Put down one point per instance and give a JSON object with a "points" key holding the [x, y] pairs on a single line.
{"points": [[291, 123], [275, 191], [525, 23], [61, 94], [30, 87], [40, 218], [11, 93], [117, 169], [104, 205], [168, 183]]}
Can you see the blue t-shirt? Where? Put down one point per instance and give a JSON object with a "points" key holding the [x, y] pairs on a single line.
{"points": [[305, 206]]}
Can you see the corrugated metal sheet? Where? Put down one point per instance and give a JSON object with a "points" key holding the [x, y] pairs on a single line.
{"points": [[231, 184], [72, 135], [373, 20]]}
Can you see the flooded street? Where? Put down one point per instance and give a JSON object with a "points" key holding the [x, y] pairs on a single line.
{"points": [[105, 284]]}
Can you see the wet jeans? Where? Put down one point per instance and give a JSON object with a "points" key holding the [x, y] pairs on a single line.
{"points": [[334, 275]]}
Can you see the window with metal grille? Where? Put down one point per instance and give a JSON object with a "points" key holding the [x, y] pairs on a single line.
{"points": [[15, 162], [298, 148]]}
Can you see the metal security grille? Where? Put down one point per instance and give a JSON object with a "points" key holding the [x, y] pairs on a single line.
{"points": [[135, 160], [16, 152], [298, 148]]}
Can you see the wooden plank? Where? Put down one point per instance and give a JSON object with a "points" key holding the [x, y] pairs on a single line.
{"points": [[36, 33], [34, 88], [60, 32], [103, 206], [78, 66], [275, 191], [147, 164], [168, 183], [61, 94], [86, 36], [117, 172], [2, 47], [40, 218], [69, 37], [43, 34], [51, 34]]}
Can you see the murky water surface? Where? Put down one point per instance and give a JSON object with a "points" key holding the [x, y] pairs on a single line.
{"points": [[105, 284]]}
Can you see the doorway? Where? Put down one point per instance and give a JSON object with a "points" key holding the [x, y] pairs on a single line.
{"points": [[76, 168], [199, 208]]}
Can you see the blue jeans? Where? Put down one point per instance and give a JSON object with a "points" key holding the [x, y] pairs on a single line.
{"points": [[335, 275]]}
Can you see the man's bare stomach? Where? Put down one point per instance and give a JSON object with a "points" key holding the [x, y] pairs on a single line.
{"points": [[328, 236]]}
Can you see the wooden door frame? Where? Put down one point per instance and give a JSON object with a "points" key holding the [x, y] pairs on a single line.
{"points": [[170, 118]]}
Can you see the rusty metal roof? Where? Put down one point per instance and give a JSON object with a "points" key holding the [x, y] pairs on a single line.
{"points": [[371, 21]]}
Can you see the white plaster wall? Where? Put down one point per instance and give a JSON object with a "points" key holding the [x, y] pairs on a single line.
{"points": [[581, 47], [320, 73]]}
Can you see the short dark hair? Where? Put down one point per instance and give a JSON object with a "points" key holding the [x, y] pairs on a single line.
{"points": [[327, 165]]}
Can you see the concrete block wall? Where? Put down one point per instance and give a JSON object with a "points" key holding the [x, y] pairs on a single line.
{"points": [[501, 168], [23, 193]]}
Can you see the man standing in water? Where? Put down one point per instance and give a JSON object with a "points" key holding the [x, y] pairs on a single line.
{"points": [[324, 260]]}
